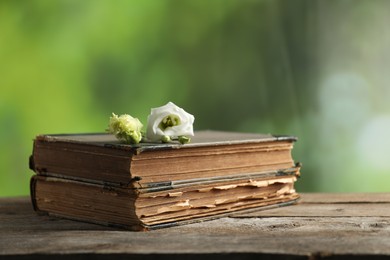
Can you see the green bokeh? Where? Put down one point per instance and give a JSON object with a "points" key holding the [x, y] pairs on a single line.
{"points": [[271, 66]]}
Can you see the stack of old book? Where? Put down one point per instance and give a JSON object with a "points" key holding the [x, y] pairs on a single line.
{"points": [[94, 178]]}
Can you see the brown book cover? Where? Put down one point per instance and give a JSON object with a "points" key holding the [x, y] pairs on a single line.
{"points": [[135, 209], [100, 158]]}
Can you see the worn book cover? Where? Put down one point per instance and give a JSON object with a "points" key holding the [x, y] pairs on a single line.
{"points": [[102, 159], [137, 209]]}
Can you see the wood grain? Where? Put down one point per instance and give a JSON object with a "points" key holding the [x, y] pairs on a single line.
{"points": [[322, 226]]}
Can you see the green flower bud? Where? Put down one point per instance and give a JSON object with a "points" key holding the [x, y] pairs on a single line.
{"points": [[184, 139], [126, 128], [165, 139]]}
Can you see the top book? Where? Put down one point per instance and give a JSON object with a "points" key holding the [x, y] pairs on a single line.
{"points": [[211, 155]]}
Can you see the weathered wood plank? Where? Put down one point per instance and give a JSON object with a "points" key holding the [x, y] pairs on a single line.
{"points": [[17, 214], [345, 198], [323, 210], [330, 205], [291, 236], [299, 236]]}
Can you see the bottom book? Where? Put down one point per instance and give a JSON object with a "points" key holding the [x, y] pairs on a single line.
{"points": [[138, 209]]}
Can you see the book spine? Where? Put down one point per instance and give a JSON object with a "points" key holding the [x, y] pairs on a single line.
{"points": [[33, 182]]}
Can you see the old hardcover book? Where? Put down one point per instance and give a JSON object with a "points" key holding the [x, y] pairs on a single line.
{"points": [[143, 208], [101, 159]]}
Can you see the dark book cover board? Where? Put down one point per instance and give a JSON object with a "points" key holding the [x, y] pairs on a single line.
{"points": [[200, 138]]}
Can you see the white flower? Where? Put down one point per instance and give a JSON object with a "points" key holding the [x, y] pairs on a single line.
{"points": [[169, 122], [125, 128]]}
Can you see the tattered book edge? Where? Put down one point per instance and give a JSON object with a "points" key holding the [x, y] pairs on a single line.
{"points": [[143, 227], [169, 185], [223, 215]]}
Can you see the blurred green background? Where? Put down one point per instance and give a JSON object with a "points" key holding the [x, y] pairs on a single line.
{"points": [[311, 68]]}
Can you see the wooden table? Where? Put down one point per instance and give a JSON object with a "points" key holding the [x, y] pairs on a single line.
{"points": [[320, 226]]}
